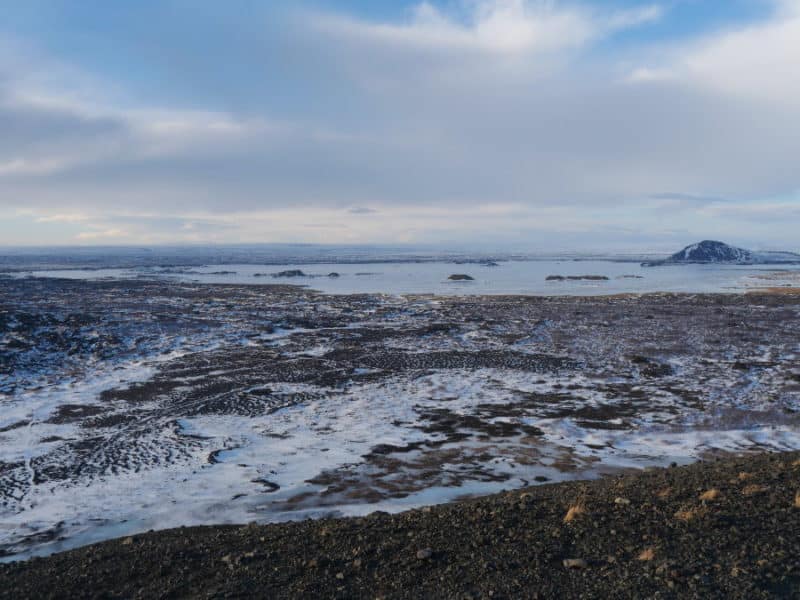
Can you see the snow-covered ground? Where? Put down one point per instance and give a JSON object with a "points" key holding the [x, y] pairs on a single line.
{"points": [[128, 406]]}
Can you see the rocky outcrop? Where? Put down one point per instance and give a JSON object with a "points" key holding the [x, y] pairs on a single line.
{"points": [[290, 273], [714, 252], [576, 278]]}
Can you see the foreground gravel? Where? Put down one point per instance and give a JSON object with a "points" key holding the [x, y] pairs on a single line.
{"points": [[718, 529]]}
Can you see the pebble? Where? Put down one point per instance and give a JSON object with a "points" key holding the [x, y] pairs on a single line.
{"points": [[575, 563], [424, 553], [621, 501]]}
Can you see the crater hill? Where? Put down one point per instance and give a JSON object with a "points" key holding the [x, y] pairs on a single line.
{"points": [[713, 252]]}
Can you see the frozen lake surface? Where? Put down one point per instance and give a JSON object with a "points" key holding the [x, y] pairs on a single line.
{"points": [[525, 277]]}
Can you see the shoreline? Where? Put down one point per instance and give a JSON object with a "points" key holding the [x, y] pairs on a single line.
{"points": [[308, 289], [713, 529]]}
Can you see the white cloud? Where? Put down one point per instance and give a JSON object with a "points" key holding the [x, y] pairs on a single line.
{"points": [[758, 61], [648, 74], [24, 166], [57, 218], [114, 234], [496, 26], [768, 210]]}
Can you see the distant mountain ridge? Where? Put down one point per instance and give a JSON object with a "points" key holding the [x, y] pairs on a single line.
{"points": [[714, 252]]}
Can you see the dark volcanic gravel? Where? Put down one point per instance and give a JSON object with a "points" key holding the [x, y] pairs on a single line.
{"points": [[644, 535]]}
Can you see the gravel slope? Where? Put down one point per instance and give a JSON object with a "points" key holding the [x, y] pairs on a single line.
{"points": [[640, 535]]}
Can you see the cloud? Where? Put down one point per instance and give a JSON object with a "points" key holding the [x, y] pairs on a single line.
{"points": [[494, 26], [687, 198], [135, 228], [756, 61], [768, 211], [491, 120], [104, 234]]}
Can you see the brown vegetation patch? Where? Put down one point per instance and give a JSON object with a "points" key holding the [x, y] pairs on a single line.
{"points": [[576, 510], [754, 489], [689, 514], [647, 554], [777, 291]]}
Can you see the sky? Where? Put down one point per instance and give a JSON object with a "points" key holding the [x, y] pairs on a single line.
{"points": [[525, 124]]}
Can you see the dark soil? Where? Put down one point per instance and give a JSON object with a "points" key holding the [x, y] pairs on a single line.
{"points": [[641, 535]]}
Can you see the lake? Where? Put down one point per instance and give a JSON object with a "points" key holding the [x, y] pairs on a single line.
{"points": [[526, 277]]}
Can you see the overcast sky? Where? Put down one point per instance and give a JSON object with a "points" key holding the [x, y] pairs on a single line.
{"points": [[505, 123]]}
